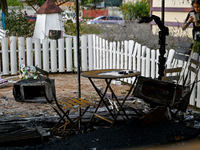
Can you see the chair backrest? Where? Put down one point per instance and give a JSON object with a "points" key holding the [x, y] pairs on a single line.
{"points": [[180, 61], [42, 72], [192, 71]]}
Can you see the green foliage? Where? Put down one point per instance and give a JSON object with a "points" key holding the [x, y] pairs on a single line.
{"points": [[17, 24], [89, 2], [136, 10], [90, 29], [40, 2], [70, 27], [14, 3]]}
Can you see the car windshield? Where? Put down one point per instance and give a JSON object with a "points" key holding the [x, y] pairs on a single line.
{"points": [[107, 18], [98, 18]]}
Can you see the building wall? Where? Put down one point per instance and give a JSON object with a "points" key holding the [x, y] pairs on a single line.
{"points": [[175, 14], [28, 9], [114, 11]]}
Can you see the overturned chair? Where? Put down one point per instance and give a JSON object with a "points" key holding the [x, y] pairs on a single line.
{"points": [[63, 108]]}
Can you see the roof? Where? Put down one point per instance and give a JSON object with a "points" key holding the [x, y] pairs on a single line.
{"points": [[49, 7]]}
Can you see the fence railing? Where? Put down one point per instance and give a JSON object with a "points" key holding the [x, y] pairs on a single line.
{"points": [[96, 53]]}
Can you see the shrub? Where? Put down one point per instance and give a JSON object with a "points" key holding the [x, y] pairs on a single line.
{"points": [[40, 2], [17, 24], [137, 10], [14, 3]]}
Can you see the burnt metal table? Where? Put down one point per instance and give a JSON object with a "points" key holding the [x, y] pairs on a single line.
{"points": [[108, 75]]}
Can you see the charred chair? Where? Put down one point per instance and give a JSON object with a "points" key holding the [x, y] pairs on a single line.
{"points": [[176, 71], [168, 94], [63, 108]]}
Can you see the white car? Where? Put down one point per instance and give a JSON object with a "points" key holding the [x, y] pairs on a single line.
{"points": [[107, 20]]}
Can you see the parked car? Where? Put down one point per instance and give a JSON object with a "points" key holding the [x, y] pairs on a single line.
{"points": [[107, 20], [31, 18]]}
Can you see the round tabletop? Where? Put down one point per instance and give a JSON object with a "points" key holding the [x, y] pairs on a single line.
{"points": [[110, 73]]}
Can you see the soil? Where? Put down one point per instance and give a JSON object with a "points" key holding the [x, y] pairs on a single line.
{"points": [[129, 135], [66, 88]]}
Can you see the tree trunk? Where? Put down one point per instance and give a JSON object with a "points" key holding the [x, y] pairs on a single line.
{"points": [[4, 6]]}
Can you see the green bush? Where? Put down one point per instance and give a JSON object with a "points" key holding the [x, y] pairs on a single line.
{"points": [[136, 10], [14, 3], [17, 24], [40, 2], [70, 27]]}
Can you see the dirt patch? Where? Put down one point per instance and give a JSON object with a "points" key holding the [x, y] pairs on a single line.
{"points": [[66, 88], [129, 135]]}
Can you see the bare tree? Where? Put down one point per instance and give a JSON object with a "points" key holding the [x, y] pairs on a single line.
{"points": [[4, 6]]}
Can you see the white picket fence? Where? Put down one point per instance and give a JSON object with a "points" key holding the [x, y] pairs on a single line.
{"points": [[96, 53]]}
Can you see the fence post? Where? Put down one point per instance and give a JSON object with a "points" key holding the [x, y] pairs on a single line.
{"points": [[143, 58], [21, 51], [122, 55], [148, 62], [61, 55], [125, 57], [75, 53], [13, 55], [100, 53], [5, 58], [69, 53], [94, 52], [170, 58], [157, 61], [139, 58], [118, 52], [107, 60], [114, 55], [111, 52], [84, 52], [90, 52], [104, 54], [126, 54], [45, 55], [153, 63], [130, 47], [131, 44], [97, 52], [29, 51], [54, 59], [38, 53]]}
